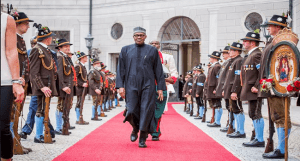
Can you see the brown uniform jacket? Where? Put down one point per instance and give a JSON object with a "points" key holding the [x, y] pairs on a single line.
{"points": [[233, 81], [187, 86], [65, 74], [81, 74], [94, 79], [262, 72], [250, 75], [23, 58], [212, 80], [198, 85], [222, 77], [43, 68]]}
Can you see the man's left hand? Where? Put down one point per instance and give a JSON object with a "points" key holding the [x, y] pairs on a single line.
{"points": [[160, 95]]}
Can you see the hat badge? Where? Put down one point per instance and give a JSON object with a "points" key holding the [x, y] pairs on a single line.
{"points": [[253, 35], [42, 32], [238, 45], [217, 54], [279, 19]]}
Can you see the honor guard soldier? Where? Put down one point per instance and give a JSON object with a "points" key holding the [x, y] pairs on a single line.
{"points": [[96, 83], [275, 104], [104, 92], [22, 25], [222, 76], [66, 80], [82, 85], [198, 86], [43, 75], [232, 89], [110, 89], [212, 82], [187, 91], [250, 84]]}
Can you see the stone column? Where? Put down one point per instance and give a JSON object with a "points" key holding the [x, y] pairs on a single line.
{"points": [[195, 53], [213, 29], [146, 23]]}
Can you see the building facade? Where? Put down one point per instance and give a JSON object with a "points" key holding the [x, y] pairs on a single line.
{"points": [[189, 29]]}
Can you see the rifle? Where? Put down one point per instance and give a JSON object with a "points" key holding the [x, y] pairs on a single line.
{"points": [[96, 106], [184, 104], [47, 135], [67, 101], [18, 149], [204, 114], [230, 129], [81, 122], [213, 115], [270, 144], [192, 111]]}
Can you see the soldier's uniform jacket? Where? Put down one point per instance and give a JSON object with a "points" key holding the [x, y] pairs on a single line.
{"points": [[233, 81], [212, 80], [81, 74], [262, 72], [250, 75], [198, 85], [23, 57], [222, 77], [43, 68], [110, 86], [95, 82], [187, 86], [65, 73]]}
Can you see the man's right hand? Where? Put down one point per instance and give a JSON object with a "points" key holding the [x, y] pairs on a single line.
{"points": [[47, 91], [18, 92], [98, 91], [85, 85], [223, 94], [122, 92], [67, 90]]}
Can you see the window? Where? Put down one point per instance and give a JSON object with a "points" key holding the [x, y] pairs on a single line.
{"points": [[253, 21], [116, 31]]}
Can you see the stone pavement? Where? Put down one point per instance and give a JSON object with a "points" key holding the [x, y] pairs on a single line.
{"points": [[235, 145], [47, 152]]}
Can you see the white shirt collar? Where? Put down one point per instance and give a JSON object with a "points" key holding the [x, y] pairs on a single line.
{"points": [[81, 63], [252, 50], [63, 53], [44, 45], [213, 64]]}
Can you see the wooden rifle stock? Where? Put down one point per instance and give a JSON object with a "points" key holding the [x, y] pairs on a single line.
{"points": [[81, 106], [47, 135], [184, 104], [230, 129], [204, 114], [96, 106], [213, 115], [270, 144], [67, 101]]}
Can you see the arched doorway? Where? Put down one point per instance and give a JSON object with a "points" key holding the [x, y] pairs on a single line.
{"points": [[181, 37]]}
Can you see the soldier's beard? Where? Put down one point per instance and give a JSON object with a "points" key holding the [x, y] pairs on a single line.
{"points": [[98, 68]]}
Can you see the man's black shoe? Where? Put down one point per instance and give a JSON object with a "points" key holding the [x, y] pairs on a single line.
{"points": [[134, 135], [199, 117], [23, 135], [224, 129], [254, 143], [155, 138], [52, 133], [71, 127], [276, 154], [237, 135], [95, 119], [58, 132], [40, 140], [213, 125]]}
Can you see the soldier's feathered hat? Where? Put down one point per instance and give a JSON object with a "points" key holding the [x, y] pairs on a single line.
{"points": [[252, 36], [215, 55], [62, 42], [236, 46], [190, 73], [44, 32], [103, 66], [20, 17], [95, 61], [80, 55], [226, 49], [278, 20], [139, 29]]}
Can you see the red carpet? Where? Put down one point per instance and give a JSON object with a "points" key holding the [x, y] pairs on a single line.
{"points": [[180, 141]]}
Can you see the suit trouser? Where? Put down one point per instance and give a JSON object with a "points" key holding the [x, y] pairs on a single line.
{"points": [[254, 109], [277, 111], [6, 140]]}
